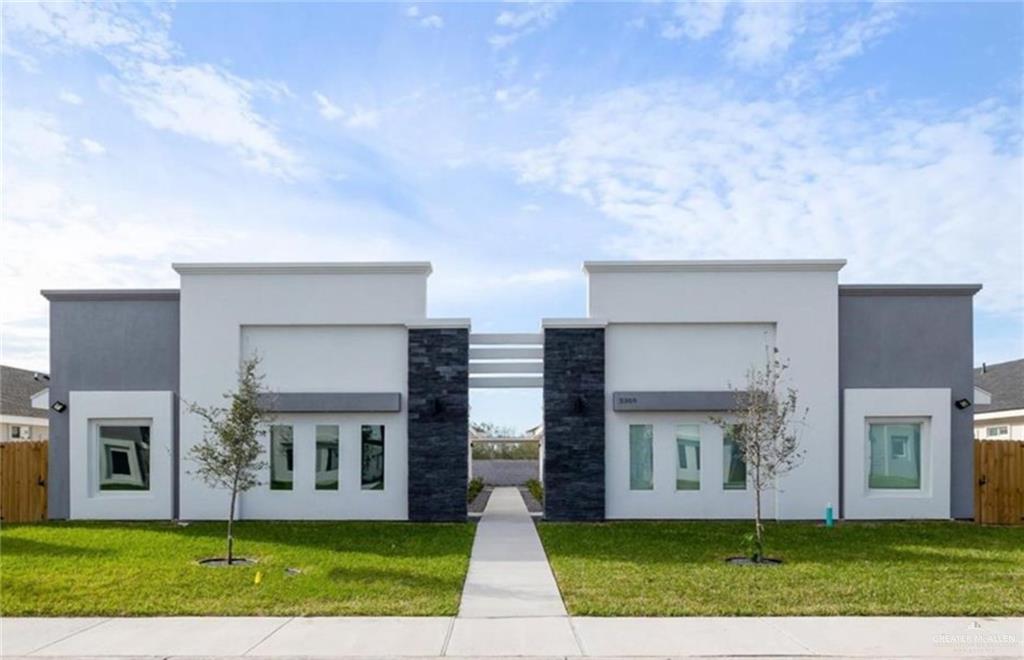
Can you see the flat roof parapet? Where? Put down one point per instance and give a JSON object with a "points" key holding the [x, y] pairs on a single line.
{"points": [[909, 289], [714, 265], [110, 294], [307, 268]]}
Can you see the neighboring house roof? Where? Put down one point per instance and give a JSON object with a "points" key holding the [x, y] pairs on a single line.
{"points": [[16, 389], [1005, 381]]}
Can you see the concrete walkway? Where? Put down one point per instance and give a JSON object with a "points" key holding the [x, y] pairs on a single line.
{"points": [[509, 575], [436, 637]]}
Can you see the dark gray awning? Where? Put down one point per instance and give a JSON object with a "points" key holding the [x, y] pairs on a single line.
{"points": [[693, 401], [333, 401]]}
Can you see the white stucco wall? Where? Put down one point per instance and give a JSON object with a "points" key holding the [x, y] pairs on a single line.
{"points": [[931, 407], [319, 328], [85, 410], [696, 326], [330, 358]]}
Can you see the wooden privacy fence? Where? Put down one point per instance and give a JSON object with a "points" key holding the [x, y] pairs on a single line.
{"points": [[22, 481], [999, 482]]}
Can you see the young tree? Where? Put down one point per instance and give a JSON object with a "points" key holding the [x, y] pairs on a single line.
{"points": [[229, 455], [763, 426]]}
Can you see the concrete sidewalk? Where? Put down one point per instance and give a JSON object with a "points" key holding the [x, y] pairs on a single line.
{"points": [[426, 637]]}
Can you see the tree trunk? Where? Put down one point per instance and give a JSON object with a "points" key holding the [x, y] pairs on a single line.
{"points": [[758, 529], [231, 519], [758, 538]]}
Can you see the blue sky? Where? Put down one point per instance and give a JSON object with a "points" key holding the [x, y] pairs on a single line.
{"points": [[506, 143]]}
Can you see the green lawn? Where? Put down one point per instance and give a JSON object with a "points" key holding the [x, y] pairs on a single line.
{"points": [[135, 569], [677, 568]]}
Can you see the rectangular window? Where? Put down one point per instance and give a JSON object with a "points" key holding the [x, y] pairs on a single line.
{"points": [[734, 469], [373, 457], [123, 457], [688, 449], [895, 454], [641, 457], [326, 457], [282, 457], [996, 431]]}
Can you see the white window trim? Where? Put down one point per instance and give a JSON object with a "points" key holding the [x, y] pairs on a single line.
{"points": [[924, 460], [1004, 428], [94, 457]]}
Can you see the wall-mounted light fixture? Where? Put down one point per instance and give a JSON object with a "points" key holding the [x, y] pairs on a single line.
{"points": [[962, 404], [579, 405], [437, 407], [59, 406]]}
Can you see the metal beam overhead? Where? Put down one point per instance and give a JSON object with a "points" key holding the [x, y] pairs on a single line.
{"points": [[506, 367], [495, 338], [506, 353], [505, 382]]}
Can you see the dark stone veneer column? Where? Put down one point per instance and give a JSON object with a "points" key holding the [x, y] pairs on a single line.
{"points": [[438, 410], [574, 423]]}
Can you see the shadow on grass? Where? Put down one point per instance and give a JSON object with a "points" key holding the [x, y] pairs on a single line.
{"points": [[388, 577], [13, 546], [384, 539]]}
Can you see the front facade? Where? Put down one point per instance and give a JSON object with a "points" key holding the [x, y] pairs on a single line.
{"points": [[879, 369], [357, 368], [371, 396]]}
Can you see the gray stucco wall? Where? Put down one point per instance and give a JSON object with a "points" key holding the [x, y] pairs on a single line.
{"points": [[438, 412], [894, 338], [109, 342], [574, 409]]}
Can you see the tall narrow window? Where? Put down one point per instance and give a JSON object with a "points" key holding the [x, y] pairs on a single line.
{"points": [[641, 457], [895, 451], [373, 457], [282, 457], [326, 457], [688, 457], [734, 469], [123, 457]]}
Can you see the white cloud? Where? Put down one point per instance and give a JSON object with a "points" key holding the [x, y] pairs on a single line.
{"points": [[358, 117], [134, 29], [529, 18], [33, 136], [850, 40], [433, 21], [93, 147], [207, 103], [695, 20], [200, 100], [763, 32], [513, 98], [69, 97], [689, 172], [328, 110], [363, 118]]}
